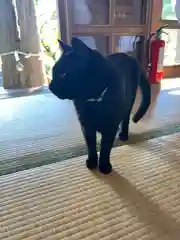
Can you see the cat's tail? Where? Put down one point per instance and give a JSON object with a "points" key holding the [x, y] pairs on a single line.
{"points": [[146, 97]]}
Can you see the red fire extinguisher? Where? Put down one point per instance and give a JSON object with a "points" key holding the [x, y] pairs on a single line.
{"points": [[155, 52]]}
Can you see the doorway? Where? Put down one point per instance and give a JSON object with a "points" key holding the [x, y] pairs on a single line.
{"points": [[163, 12], [107, 25]]}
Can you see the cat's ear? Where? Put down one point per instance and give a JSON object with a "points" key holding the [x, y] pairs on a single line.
{"points": [[64, 47], [79, 46]]}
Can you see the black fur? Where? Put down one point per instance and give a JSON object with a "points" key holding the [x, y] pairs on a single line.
{"points": [[103, 91]]}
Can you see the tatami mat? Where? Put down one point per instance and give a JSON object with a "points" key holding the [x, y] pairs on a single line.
{"points": [[41, 129], [65, 201]]}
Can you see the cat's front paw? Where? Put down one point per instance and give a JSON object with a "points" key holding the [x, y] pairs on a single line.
{"points": [[123, 137], [105, 168], [91, 163]]}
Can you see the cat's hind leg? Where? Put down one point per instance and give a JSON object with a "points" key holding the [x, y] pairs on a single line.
{"points": [[124, 133]]}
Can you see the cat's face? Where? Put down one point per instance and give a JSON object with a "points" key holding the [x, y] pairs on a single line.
{"points": [[76, 75]]}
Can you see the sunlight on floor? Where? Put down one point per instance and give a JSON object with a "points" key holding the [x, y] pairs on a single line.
{"points": [[175, 92], [170, 83], [10, 109]]}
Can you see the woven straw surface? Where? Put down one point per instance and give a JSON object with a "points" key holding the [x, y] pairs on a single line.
{"points": [[65, 201], [41, 129]]}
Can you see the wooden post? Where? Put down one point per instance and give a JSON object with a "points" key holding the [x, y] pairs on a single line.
{"points": [[8, 42], [33, 74]]}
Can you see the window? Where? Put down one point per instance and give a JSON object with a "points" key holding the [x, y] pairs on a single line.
{"points": [[168, 10], [172, 47]]}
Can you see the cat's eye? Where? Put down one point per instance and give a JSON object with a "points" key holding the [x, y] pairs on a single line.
{"points": [[63, 75]]}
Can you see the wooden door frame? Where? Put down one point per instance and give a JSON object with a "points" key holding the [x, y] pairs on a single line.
{"points": [[169, 71], [111, 30]]}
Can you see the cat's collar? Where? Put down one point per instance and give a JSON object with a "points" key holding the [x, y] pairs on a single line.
{"points": [[98, 99]]}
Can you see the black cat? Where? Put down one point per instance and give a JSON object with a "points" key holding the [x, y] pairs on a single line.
{"points": [[103, 91]]}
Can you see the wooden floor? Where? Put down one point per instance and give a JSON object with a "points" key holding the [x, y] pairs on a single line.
{"points": [[65, 201]]}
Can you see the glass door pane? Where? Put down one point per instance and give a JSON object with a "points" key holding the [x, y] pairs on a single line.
{"points": [[125, 44], [90, 12], [130, 12], [98, 42], [131, 45]]}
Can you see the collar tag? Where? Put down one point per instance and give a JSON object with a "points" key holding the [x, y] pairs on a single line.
{"points": [[98, 99]]}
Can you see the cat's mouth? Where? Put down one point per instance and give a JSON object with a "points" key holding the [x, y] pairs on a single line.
{"points": [[66, 96]]}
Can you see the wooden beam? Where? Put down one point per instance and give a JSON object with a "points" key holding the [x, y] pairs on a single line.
{"points": [[109, 30]]}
